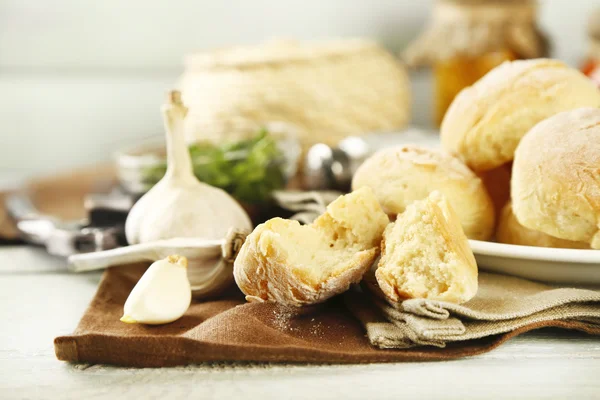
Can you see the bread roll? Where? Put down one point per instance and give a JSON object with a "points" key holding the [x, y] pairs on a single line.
{"points": [[497, 184], [425, 254], [405, 174], [555, 188], [486, 121], [512, 232], [295, 265]]}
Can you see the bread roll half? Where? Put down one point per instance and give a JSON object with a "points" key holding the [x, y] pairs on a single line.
{"points": [[285, 262], [555, 187], [425, 254]]}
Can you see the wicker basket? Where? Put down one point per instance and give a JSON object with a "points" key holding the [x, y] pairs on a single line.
{"points": [[327, 90]]}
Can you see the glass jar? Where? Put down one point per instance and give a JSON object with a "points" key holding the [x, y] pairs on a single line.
{"points": [[249, 169], [466, 39], [454, 74]]}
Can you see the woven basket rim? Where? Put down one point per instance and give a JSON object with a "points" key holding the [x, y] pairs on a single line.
{"points": [[279, 52]]}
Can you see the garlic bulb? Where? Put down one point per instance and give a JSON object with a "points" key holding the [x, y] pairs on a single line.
{"points": [[179, 205], [162, 294]]}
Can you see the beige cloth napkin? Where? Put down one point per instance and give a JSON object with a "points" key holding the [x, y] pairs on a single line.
{"points": [[307, 206], [502, 304]]}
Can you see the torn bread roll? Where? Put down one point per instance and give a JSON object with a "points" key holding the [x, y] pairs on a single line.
{"points": [[285, 262], [510, 231], [402, 175], [555, 187], [486, 121], [425, 254]]}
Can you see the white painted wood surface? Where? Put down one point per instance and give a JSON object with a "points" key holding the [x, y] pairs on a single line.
{"points": [[40, 300]]}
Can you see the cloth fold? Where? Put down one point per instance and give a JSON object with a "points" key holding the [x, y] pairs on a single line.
{"points": [[503, 304], [228, 328]]}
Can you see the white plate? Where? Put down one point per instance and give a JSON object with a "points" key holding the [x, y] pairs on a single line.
{"points": [[539, 263]]}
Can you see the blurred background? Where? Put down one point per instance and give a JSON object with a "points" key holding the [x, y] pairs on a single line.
{"points": [[79, 79]]}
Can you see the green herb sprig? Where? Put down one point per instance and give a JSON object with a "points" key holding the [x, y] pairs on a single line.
{"points": [[249, 170]]}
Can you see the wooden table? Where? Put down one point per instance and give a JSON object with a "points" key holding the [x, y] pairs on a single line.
{"points": [[39, 300]]}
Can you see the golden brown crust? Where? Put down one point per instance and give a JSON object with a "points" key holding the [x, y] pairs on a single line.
{"points": [[264, 277], [486, 121], [555, 187], [322, 260], [511, 232], [402, 175]]}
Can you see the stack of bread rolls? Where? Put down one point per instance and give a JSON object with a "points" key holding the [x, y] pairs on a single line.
{"points": [[534, 120], [520, 157], [520, 160]]}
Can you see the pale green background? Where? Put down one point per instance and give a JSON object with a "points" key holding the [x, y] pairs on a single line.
{"points": [[80, 78]]}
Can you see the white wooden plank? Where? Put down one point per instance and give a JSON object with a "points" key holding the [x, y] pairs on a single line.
{"points": [[20, 260], [34, 308], [527, 379]]}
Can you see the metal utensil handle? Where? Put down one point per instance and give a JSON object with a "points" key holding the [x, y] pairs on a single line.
{"points": [[33, 226], [149, 251], [104, 259], [19, 206]]}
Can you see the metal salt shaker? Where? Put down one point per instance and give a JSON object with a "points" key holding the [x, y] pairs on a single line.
{"points": [[332, 168]]}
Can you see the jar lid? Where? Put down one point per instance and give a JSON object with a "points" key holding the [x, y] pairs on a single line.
{"points": [[475, 27]]}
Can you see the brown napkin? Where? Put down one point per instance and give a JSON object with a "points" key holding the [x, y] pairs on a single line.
{"points": [[503, 304], [230, 329]]}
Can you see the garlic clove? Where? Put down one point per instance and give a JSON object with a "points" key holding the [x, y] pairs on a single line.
{"points": [[162, 295]]}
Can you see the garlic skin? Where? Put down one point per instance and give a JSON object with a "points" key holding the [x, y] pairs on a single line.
{"points": [[162, 294], [179, 205]]}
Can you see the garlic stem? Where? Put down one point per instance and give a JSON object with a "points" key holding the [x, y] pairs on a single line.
{"points": [[179, 162]]}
